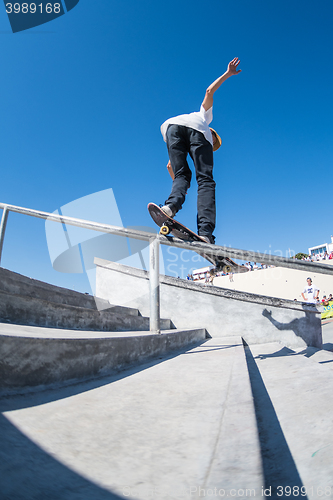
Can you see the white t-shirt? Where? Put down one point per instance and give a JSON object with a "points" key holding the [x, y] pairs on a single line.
{"points": [[311, 292], [198, 121]]}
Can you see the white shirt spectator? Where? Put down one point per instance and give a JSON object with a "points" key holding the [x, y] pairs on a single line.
{"points": [[311, 291]]}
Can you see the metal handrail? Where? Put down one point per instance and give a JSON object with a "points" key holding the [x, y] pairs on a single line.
{"points": [[214, 250], [105, 228], [154, 241]]}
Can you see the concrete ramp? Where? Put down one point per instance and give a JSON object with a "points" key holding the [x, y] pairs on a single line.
{"points": [[183, 427]]}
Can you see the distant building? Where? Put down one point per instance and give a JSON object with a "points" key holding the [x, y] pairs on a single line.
{"points": [[325, 247], [200, 274]]}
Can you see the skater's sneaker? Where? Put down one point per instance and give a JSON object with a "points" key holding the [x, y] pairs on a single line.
{"points": [[169, 210], [208, 239]]}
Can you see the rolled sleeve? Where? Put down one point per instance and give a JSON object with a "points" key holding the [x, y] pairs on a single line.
{"points": [[208, 115]]}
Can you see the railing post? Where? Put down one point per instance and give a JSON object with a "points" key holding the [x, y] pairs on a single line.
{"points": [[154, 282], [3, 227]]}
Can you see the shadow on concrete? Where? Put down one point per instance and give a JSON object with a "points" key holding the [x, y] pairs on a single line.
{"points": [[307, 353], [278, 464], [29, 473], [300, 326], [285, 351], [215, 348]]}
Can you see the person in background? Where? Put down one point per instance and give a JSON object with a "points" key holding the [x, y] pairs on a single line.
{"points": [[311, 291], [324, 301]]}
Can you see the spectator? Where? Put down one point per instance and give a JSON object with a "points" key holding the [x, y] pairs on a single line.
{"points": [[319, 256], [324, 301], [312, 292]]}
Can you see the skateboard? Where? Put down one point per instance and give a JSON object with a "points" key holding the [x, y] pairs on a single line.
{"points": [[171, 226]]}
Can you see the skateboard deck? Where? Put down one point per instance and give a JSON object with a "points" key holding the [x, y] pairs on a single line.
{"points": [[171, 226]]}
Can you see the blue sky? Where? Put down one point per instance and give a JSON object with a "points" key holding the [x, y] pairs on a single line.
{"points": [[83, 98]]}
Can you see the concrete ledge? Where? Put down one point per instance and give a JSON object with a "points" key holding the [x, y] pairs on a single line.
{"points": [[31, 357], [257, 318]]}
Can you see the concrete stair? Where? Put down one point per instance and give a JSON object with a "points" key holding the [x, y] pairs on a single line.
{"points": [[25, 301], [51, 336], [25, 310], [17, 284]]}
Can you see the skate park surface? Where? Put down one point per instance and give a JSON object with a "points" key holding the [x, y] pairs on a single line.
{"points": [[197, 417]]}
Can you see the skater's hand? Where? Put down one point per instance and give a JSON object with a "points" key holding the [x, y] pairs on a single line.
{"points": [[169, 167], [207, 103], [232, 67]]}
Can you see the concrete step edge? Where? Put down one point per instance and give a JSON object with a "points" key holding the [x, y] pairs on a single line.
{"points": [[20, 309], [17, 284], [33, 361], [238, 447], [85, 302]]}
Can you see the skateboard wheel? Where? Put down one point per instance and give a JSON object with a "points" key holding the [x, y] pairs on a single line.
{"points": [[226, 269], [164, 230]]}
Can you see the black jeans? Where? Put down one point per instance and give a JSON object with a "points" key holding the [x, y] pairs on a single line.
{"points": [[182, 141]]}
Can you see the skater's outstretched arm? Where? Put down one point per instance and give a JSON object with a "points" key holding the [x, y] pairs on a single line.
{"points": [[207, 103]]}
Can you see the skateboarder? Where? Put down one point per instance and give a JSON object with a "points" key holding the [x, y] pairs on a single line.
{"points": [[190, 134]]}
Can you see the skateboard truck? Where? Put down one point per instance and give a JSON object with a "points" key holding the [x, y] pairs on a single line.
{"points": [[226, 269], [165, 230]]}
